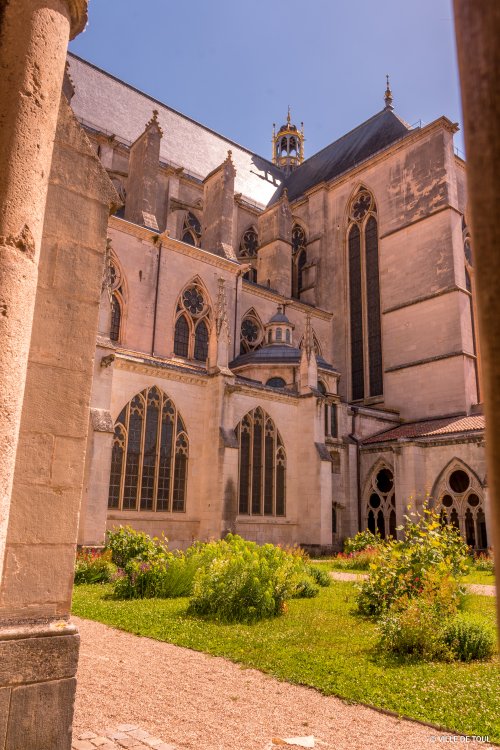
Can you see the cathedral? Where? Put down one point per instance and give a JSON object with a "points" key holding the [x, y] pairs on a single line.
{"points": [[287, 347]]}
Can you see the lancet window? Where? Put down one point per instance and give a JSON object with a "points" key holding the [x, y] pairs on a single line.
{"points": [[299, 259], [262, 466], [191, 230], [192, 323], [115, 288], [364, 298], [460, 501], [380, 503], [149, 456]]}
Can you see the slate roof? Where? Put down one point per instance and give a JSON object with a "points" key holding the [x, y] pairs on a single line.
{"points": [[111, 106], [276, 354], [359, 144], [429, 428]]}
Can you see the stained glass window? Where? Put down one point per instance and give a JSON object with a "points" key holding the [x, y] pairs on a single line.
{"points": [[251, 334], [373, 308], [181, 337], [201, 342], [191, 230], [262, 466], [460, 502], [116, 315], [149, 456], [356, 310]]}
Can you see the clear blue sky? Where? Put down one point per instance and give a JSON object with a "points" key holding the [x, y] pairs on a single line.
{"points": [[235, 66]]}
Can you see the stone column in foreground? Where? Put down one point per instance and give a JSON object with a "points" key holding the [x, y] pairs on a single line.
{"points": [[478, 41], [34, 37]]}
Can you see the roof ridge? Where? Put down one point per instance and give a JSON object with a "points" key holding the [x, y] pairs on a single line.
{"points": [[171, 109]]}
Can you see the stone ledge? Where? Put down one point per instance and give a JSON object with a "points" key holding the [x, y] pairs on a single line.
{"points": [[36, 659]]}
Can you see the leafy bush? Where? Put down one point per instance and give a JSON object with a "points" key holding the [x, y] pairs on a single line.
{"points": [[305, 588], [163, 576], [414, 629], [125, 544], [356, 560], [484, 563], [428, 554], [469, 640], [240, 581], [93, 567], [320, 576], [361, 541]]}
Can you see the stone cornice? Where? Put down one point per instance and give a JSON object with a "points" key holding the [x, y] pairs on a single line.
{"points": [[264, 393], [435, 441], [163, 369], [261, 291], [78, 13]]}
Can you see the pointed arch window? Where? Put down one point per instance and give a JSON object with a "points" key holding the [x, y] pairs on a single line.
{"points": [[299, 259], [116, 316], [251, 333], [149, 456], [262, 466], [364, 298], [380, 503], [113, 282], [460, 502], [191, 230], [249, 243], [192, 323]]}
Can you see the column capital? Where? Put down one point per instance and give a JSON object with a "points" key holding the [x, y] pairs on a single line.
{"points": [[78, 11]]}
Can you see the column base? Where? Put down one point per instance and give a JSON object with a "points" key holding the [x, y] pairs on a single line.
{"points": [[38, 664]]}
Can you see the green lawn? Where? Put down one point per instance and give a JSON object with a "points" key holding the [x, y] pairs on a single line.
{"points": [[322, 643]]}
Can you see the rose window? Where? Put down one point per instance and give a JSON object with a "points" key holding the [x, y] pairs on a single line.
{"points": [[250, 330]]}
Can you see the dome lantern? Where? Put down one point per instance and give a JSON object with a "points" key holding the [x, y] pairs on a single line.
{"points": [[288, 145]]}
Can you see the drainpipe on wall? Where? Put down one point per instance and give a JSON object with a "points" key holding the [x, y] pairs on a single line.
{"points": [[358, 467]]}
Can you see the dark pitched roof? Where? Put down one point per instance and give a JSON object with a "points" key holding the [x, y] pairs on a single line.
{"points": [[277, 354], [359, 144], [429, 428]]}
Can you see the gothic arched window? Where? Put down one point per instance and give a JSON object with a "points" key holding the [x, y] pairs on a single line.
{"points": [[364, 298], [116, 316], [191, 230], [252, 333], [460, 501], [251, 275], [192, 324], [380, 503], [149, 455], [262, 466], [299, 259]]}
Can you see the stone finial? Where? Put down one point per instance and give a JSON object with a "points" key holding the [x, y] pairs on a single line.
{"points": [[78, 12], [289, 116], [154, 121], [308, 338], [388, 95]]}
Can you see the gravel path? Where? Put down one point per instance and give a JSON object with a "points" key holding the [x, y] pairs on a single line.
{"points": [[200, 702]]}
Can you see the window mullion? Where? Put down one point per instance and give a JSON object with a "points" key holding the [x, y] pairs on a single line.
{"points": [[125, 453]]}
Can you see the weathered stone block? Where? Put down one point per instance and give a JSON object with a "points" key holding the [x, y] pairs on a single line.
{"points": [[38, 659], [41, 715]]}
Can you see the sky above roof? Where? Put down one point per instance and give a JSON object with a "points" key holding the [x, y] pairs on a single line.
{"points": [[236, 66]]}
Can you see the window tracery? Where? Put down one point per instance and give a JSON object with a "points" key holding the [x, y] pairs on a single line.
{"points": [[192, 323], [460, 501], [149, 456], [380, 503], [364, 297], [191, 230], [249, 244], [262, 466], [252, 333], [114, 285]]}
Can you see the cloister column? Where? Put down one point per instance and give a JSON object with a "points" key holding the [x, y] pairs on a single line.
{"points": [[477, 27], [34, 37]]}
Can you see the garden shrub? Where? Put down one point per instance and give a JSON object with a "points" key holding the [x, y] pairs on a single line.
{"points": [[414, 628], [468, 640], [126, 544], [93, 567], [356, 560], [320, 576], [163, 576], [361, 541], [428, 553], [305, 588], [484, 563], [241, 581]]}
